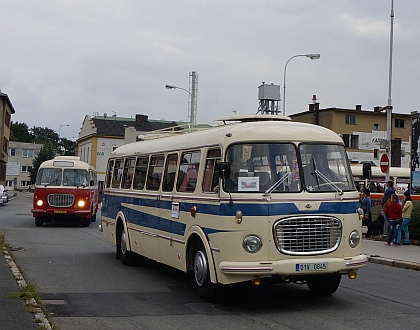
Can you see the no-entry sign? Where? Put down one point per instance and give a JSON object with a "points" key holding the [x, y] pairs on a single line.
{"points": [[384, 163]]}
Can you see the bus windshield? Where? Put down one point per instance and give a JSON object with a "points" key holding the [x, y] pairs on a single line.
{"points": [[261, 167], [55, 177], [325, 168]]}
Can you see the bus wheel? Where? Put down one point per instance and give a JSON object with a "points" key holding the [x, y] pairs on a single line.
{"points": [[85, 222], [324, 287], [207, 290], [127, 257], [38, 222]]}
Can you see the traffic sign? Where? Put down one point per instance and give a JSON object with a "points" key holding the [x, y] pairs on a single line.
{"points": [[384, 163]]}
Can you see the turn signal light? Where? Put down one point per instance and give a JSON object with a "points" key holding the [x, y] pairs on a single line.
{"points": [[256, 281], [352, 275]]}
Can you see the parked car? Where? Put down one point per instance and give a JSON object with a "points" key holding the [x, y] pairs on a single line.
{"points": [[4, 196]]}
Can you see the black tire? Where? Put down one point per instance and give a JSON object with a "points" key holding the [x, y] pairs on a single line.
{"points": [[93, 219], [324, 287], [85, 222], [128, 258], [207, 290], [38, 222]]}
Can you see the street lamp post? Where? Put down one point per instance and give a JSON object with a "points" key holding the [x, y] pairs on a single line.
{"points": [[192, 100], [389, 106], [59, 130], [312, 57]]}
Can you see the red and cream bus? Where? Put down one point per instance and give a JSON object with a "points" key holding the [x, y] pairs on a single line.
{"points": [[65, 189], [259, 198]]}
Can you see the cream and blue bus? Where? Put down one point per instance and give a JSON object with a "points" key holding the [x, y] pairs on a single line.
{"points": [[256, 198]]}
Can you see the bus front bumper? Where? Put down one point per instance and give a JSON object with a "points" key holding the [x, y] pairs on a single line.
{"points": [[40, 213], [299, 266]]}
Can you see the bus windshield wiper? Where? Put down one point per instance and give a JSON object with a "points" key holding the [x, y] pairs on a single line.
{"points": [[327, 181], [278, 183]]}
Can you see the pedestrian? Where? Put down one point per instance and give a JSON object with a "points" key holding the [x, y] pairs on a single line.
{"points": [[379, 188], [394, 214], [407, 209], [385, 199], [365, 205]]}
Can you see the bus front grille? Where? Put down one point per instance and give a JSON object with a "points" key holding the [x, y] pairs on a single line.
{"points": [[307, 235], [60, 200]]}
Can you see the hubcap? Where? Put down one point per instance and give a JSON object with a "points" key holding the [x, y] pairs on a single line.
{"points": [[200, 268], [123, 242]]}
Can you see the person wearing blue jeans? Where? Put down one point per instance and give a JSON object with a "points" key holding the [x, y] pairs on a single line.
{"points": [[407, 209], [385, 200], [394, 213]]}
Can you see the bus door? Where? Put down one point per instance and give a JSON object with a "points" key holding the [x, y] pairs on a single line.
{"points": [[169, 214]]}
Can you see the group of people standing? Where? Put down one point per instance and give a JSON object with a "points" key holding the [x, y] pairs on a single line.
{"points": [[397, 215]]}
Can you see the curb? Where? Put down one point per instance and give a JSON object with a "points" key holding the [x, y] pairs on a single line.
{"points": [[394, 263], [39, 315]]}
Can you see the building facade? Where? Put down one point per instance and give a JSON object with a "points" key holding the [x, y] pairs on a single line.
{"points": [[99, 136], [6, 111], [364, 132], [21, 156]]}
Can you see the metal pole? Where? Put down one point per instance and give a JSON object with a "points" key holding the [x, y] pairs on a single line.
{"points": [[389, 107]]}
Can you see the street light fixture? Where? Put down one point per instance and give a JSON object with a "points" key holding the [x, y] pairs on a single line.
{"points": [[59, 130], [176, 87], [312, 57]]}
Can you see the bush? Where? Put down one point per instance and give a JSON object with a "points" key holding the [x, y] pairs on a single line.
{"points": [[414, 225]]}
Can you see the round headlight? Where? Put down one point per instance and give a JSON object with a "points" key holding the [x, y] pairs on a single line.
{"points": [[81, 203], [39, 202], [361, 213], [354, 239], [252, 244]]}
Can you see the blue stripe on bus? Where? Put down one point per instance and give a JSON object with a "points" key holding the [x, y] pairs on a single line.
{"points": [[112, 205]]}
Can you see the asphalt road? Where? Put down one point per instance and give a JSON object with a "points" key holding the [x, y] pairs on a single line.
{"points": [[85, 287]]}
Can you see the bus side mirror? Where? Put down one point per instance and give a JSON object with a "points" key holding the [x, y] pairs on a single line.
{"points": [[91, 183], [224, 170], [367, 170]]}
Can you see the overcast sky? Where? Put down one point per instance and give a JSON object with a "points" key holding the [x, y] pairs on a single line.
{"points": [[61, 60]]}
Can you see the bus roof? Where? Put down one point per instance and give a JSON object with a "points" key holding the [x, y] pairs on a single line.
{"points": [[67, 161], [263, 129], [399, 172]]}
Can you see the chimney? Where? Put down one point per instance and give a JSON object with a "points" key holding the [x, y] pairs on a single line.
{"points": [[358, 107], [376, 109], [140, 119], [311, 107]]}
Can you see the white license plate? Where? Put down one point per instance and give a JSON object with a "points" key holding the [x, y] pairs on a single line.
{"points": [[311, 267]]}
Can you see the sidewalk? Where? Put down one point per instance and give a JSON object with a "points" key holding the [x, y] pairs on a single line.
{"points": [[403, 256]]}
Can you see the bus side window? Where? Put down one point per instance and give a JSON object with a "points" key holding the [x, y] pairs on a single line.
{"points": [[140, 173], [154, 175], [211, 172], [189, 166], [128, 173], [170, 171], [116, 176], [109, 171]]}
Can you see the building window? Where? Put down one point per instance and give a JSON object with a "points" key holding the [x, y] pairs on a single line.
{"points": [[7, 119], [400, 123], [9, 183], [28, 153], [375, 153], [25, 183], [376, 127], [351, 141], [12, 152], [26, 168], [351, 119], [5, 144]]}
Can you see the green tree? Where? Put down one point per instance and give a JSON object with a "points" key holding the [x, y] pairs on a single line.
{"points": [[44, 135], [67, 147], [46, 153], [20, 132]]}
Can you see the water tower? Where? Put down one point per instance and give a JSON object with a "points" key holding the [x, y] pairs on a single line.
{"points": [[269, 97]]}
